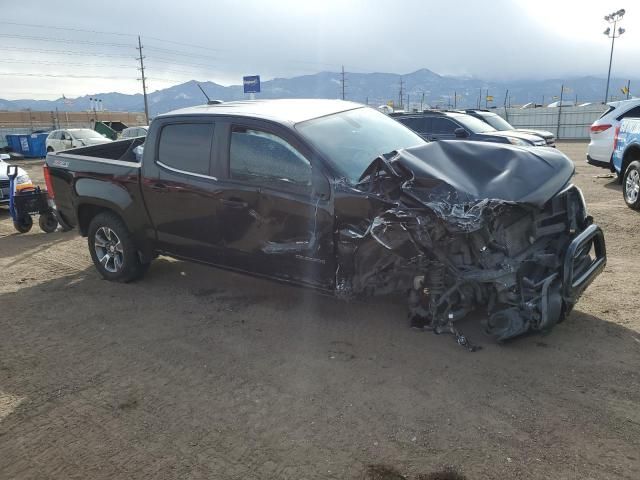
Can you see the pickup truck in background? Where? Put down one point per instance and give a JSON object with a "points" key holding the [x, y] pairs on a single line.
{"points": [[626, 159], [342, 198]]}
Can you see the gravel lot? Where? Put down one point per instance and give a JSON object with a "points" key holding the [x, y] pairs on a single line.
{"points": [[197, 373]]}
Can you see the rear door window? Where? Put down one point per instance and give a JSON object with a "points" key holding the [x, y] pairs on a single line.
{"points": [[260, 157], [443, 126], [186, 147], [633, 113], [418, 124]]}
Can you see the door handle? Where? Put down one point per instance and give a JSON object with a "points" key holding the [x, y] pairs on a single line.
{"points": [[234, 203]]}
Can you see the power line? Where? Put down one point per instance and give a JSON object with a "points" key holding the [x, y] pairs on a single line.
{"points": [[61, 76], [64, 40], [72, 64], [177, 52], [67, 28], [65, 52], [183, 44]]}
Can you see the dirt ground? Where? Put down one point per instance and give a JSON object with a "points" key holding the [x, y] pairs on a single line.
{"points": [[196, 373]]}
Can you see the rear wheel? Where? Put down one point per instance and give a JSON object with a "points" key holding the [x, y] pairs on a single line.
{"points": [[112, 249], [23, 224], [631, 185]]}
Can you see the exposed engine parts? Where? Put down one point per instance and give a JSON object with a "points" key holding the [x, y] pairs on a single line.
{"points": [[523, 263]]}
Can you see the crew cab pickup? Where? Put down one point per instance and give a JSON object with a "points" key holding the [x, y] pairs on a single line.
{"points": [[626, 159], [339, 197]]}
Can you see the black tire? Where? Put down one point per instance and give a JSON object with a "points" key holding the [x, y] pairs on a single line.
{"points": [[123, 263], [23, 224], [631, 185], [48, 222]]}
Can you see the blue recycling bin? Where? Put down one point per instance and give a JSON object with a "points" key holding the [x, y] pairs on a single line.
{"points": [[31, 145]]}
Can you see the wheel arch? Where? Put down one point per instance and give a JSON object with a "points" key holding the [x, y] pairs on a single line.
{"points": [[88, 210], [631, 154]]}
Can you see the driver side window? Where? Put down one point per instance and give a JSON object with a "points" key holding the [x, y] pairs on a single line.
{"points": [[263, 158]]}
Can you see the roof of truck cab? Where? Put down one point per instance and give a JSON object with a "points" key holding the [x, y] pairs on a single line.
{"points": [[290, 111]]}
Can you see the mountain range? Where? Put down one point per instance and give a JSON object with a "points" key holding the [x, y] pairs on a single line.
{"points": [[423, 87]]}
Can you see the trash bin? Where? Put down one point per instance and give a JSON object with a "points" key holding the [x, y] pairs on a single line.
{"points": [[31, 145], [110, 129]]}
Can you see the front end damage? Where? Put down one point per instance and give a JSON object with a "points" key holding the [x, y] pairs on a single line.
{"points": [[464, 226]]}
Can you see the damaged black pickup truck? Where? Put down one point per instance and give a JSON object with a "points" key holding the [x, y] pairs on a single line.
{"points": [[339, 197]]}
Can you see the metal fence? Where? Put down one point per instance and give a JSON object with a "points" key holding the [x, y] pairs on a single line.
{"points": [[565, 122], [26, 122]]}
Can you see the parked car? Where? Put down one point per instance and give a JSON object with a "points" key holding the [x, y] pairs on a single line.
{"points": [[340, 197], [68, 138], [132, 132], [564, 103], [500, 124], [445, 125], [602, 131], [22, 181], [626, 159]]}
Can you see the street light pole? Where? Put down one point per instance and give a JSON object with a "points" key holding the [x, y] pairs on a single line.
{"points": [[614, 18]]}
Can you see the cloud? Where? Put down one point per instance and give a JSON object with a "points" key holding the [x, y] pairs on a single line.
{"points": [[280, 38]]}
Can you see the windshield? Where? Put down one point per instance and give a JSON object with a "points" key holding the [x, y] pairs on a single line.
{"points": [[474, 124], [351, 140], [85, 133], [497, 122]]}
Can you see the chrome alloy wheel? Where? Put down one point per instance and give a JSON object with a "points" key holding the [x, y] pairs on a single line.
{"points": [[108, 249], [632, 186]]}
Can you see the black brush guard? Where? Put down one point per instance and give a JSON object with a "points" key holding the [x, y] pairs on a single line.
{"points": [[576, 278]]}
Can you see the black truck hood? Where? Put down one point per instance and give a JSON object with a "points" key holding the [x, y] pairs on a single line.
{"points": [[466, 172]]}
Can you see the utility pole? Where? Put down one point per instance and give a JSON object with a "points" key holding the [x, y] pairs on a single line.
{"points": [[614, 18], [342, 82], [628, 88], [480, 98], [422, 102], [401, 93], [559, 112], [144, 81], [506, 99], [455, 99], [486, 100]]}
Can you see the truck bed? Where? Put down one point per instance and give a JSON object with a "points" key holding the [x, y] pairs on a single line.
{"points": [[99, 176]]}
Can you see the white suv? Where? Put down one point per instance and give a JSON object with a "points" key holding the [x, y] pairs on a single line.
{"points": [[604, 129], [133, 132], [72, 138]]}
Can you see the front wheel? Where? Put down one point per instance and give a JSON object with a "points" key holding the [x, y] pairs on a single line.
{"points": [[631, 185], [112, 249], [48, 222]]}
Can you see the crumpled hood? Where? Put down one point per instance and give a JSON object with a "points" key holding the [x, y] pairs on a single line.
{"points": [[482, 170]]}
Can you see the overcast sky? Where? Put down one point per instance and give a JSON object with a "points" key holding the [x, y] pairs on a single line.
{"points": [[496, 39]]}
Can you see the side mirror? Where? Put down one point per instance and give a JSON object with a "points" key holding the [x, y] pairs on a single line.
{"points": [[460, 133]]}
